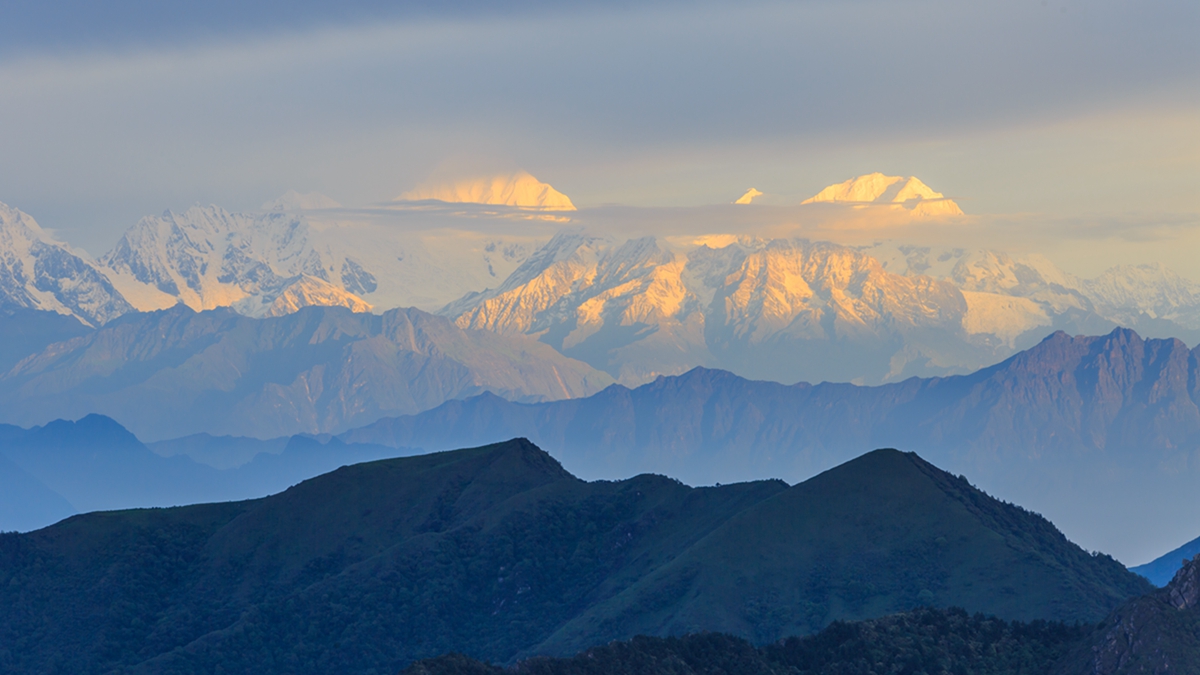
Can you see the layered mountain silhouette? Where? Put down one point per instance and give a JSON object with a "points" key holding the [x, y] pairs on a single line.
{"points": [[178, 372], [1098, 431], [94, 464], [498, 553]]}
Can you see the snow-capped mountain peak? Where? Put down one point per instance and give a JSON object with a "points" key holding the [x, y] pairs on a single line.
{"points": [[519, 189], [878, 189], [39, 272]]}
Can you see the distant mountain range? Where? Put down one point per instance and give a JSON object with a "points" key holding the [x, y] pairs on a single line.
{"points": [[796, 310], [178, 372], [1161, 570], [94, 464], [782, 309], [499, 553], [1098, 432]]}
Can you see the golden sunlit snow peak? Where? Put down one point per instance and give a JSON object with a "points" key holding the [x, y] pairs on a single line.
{"points": [[519, 189], [748, 197], [876, 188]]}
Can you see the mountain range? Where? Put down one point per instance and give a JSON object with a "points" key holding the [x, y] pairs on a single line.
{"points": [[791, 310], [177, 372], [499, 553], [50, 472], [783, 309], [1099, 432]]}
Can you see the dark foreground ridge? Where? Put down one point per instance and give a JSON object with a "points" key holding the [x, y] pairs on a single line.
{"points": [[925, 640], [499, 553], [1157, 634]]}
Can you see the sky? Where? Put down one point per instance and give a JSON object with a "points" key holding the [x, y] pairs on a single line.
{"points": [[1066, 126]]}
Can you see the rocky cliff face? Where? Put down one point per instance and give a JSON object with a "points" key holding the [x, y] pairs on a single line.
{"points": [[1184, 590], [1158, 634]]}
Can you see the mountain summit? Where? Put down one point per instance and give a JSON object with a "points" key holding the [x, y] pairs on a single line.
{"points": [[499, 553], [876, 188], [519, 189]]}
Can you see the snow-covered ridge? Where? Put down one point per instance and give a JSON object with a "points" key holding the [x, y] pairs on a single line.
{"points": [[643, 306], [877, 189], [519, 189], [39, 272], [261, 263]]}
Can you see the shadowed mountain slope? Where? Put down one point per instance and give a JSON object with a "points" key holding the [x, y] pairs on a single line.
{"points": [[922, 641], [1158, 634], [177, 372], [24, 332], [25, 502], [1099, 432], [498, 552]]}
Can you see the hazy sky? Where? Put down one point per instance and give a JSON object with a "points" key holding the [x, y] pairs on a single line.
{"points": [[1083, 115]]}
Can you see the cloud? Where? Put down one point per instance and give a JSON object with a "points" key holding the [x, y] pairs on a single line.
{"points": [[668, 104]]}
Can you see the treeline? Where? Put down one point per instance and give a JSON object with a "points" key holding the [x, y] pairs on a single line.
{"points": [[924, 641]]}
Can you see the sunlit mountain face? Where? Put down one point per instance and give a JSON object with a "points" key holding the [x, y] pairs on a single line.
{"points": [[511, 254]]}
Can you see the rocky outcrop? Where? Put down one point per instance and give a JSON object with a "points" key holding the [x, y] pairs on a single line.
{"points": [[1184, 590], [1158, 634]]}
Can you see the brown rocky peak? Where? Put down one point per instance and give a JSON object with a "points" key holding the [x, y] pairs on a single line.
{"points": [[1184, 589]]}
